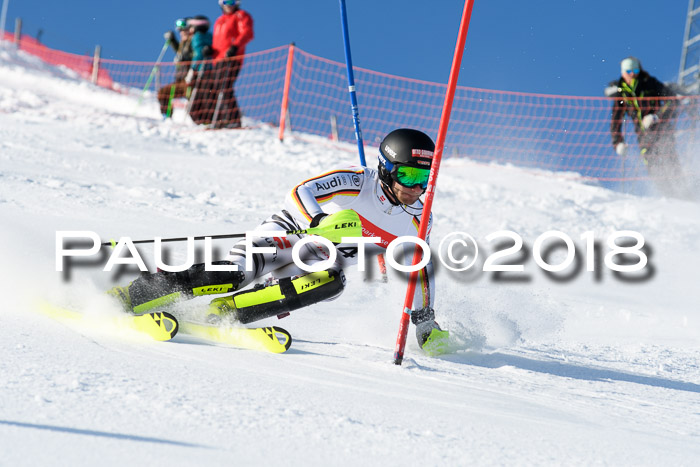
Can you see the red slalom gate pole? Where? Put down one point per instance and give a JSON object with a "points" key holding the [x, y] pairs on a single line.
{"points": [[435, 167]]}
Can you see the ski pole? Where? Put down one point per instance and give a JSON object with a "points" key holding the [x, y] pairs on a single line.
{"points": [[155, 70], [219, 99], [177, 239], [344, 223], [193, 93], [170, 101]]}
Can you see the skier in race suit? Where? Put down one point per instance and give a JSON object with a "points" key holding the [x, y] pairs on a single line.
{"points": [[388, 205]]}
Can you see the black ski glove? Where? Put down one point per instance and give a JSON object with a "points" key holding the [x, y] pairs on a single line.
{"points": [[232, 51], [317, 219]]}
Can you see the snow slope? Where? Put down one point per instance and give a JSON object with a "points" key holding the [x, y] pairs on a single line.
{"points": [[591, 370]]}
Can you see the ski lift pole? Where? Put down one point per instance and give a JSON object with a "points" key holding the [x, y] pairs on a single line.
{"points": [[3, 18], [432, 180], [624, 157], [155, 70], [351, 84]]}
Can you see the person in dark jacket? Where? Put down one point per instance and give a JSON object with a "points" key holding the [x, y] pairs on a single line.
{"points": [[199, 74], [651, 107], [183, 55]]}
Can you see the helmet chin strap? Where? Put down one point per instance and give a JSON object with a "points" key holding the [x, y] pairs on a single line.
{"points": [[393, 199], [389, 191]]}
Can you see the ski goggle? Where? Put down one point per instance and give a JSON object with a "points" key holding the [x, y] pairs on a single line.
{"points": [[228, 2], [181, 24], [406, 175], [412, 176], [633, 70]]}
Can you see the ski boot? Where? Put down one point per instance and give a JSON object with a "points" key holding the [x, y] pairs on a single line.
{"points": [[431, 338], [150, 292], [436, 342], [219, 309], [121, 294]]}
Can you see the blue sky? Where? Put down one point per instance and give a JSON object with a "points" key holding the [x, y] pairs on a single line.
{"points": [[570, 47]]}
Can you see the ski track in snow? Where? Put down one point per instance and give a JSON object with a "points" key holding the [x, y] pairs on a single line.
{"points": [[566, 373]]}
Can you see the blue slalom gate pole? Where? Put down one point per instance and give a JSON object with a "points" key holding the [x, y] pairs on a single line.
{"points": [[351, 84], [355, 111]]}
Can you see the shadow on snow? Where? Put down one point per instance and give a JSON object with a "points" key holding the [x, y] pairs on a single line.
{"points": [[104, 434], [567, 370]]}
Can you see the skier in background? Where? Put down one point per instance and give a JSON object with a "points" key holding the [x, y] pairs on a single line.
{"points": [[652, 108], [232, 32], [388, 204], [183, 55]]}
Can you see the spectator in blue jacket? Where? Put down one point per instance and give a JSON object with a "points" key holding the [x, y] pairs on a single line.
{"points": [[199, 76]]}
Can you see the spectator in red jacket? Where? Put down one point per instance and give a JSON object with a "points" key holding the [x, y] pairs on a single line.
{"points": [[232, 31]]}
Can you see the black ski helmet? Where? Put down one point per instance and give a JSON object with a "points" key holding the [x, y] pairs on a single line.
{"points": [[200, 23], [404, 146]]}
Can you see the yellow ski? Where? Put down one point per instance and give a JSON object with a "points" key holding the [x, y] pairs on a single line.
{"points": [[271, 339], [160, 326]]}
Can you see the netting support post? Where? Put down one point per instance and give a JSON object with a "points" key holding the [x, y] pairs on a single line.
{"points": [[334, 128], [158, 77], [285, 93], [96, 64], [18, 32]]}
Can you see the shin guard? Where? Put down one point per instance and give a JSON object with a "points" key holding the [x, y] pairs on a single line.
{"points": [[287, 294]]}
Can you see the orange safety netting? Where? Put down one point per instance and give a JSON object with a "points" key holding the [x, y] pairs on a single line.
{"points": [[559, 133]]}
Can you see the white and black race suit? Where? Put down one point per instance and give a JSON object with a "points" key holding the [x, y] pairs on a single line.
{"points": [[357, 188]]}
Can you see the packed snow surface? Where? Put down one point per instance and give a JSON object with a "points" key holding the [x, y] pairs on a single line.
{"points": [[589, 369]]}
